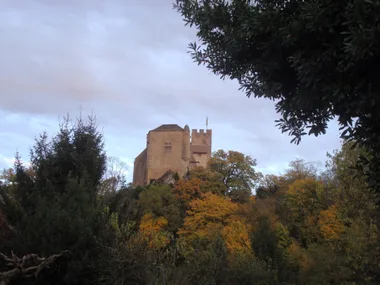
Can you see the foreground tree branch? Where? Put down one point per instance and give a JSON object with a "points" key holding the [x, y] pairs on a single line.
{"points": [[316, 59], [29, 266]]}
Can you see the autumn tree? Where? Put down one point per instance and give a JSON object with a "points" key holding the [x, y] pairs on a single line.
{"points": [[330, 224], [237, 238], [207, 216], [301, 169], [356, 208], [237, 173], [304, 203], [187, 190], [210, 181], [317, 60], [159, 201]]}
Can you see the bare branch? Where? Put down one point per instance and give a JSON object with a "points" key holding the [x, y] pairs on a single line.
{"points": [[29, 266]]}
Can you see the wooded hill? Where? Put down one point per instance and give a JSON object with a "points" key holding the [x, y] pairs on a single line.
{"points": [[72, 208]]}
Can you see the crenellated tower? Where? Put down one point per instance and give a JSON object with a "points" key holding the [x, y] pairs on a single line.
{"points": [[186, 144], [201, 142], [171, 148]]}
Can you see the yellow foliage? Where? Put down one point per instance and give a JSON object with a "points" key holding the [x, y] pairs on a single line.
{"points": [[151, 223], [303, 200], [211, 209], [329, 223], [236, 238], [152, 228], [304, 189], [215, 214]]}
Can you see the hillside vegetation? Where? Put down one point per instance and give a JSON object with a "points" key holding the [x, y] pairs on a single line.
{"points": [[70, 205]]}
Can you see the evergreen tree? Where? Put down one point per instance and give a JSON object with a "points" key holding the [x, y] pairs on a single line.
{"points": [[57, 207]]}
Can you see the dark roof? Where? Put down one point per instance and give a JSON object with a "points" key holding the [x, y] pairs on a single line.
{"points": [[142, 155], [200, 148], [168, 127]]}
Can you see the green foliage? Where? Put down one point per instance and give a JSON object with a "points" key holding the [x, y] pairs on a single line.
{"points": [[237, 173], [212, 181], [302, 227], [270, 246], [316, 59], [55, 207], [176, 176], [160, 200], [268, 186], [125, 203]]}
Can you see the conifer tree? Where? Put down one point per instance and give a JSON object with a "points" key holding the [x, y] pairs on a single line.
{"points": [[57, 207]]}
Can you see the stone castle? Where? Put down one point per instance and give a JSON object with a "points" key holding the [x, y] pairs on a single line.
{"points": [[170, 148]]}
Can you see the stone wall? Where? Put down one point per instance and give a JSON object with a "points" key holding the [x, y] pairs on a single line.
{"points": [[169, 149], [201, 142], [139, 169], [165, 151]]}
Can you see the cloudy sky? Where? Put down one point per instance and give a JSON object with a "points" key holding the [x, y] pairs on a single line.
{"points": [[127, 62]]}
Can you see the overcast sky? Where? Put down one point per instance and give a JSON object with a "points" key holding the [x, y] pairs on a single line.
{"points": [[127, 62]]}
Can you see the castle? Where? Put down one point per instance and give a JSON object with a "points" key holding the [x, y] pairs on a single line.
{"points": [[171, 148]]}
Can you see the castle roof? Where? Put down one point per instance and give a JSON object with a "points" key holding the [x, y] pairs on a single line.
{"points": [[168, 127]]}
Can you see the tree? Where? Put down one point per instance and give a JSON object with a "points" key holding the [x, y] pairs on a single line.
{"points": [[207, 216], [237, 173], [300, 169], [316, 59], [357, 208], [329, 223], [210, 181], [160, 201], [8, 176], [29, 266], [268, 245], [268, 186], [304, 203], [55, 206], [114, 177], [152, 228], [5, 228], [236, 237]]}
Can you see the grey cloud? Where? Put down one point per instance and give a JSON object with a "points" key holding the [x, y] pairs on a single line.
{"points": [[127, 61]]}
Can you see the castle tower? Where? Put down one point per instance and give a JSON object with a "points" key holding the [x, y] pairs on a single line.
{"points": [[186, 144], [169, 148], [201, 142]]}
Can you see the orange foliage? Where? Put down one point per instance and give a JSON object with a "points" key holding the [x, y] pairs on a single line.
{"points": [[152, 229], [187, 190], [210, 212], [329, 223], [297, 254]]}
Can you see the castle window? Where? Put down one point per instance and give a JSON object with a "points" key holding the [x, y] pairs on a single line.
{"points": [[168, 146]]}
